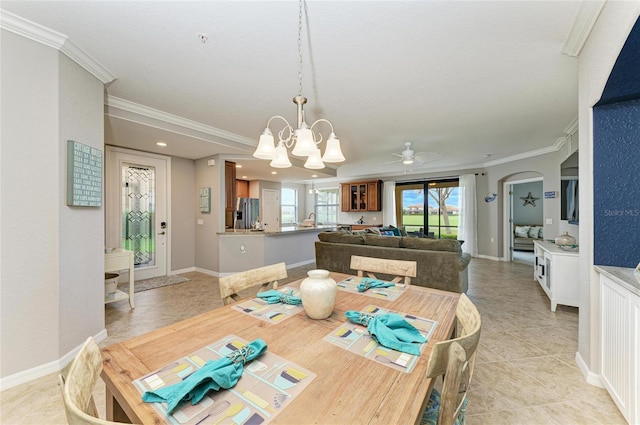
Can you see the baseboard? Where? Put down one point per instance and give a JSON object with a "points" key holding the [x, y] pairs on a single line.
{"points": [[47, 368], [489, 257], [187, 270], [590, 377], [208, 272]]}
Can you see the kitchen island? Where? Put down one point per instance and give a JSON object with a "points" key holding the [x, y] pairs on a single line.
{"points": [[244, 249]]}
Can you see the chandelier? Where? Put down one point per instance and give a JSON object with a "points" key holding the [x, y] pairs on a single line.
{"points": [[303, 139]]}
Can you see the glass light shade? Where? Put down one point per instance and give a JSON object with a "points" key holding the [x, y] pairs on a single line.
{"points": [[266, 149], [407, 161], [282, 158], [333, 153], [305, 145], [314, 161]]}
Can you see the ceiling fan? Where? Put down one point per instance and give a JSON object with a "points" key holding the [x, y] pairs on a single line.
{"points": [[409, 157]]}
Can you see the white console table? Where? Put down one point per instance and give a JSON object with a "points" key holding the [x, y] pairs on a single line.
{"points": [[556, 270], [116, 260]]}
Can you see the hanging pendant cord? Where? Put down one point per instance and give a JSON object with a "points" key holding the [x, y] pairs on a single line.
{"points": [[300, 50]]}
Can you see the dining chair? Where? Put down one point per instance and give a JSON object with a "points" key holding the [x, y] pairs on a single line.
{"points": [[232, 284], [454, 359], [77, 387], [401, 269]]}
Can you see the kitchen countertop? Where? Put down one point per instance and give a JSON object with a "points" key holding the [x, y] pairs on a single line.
{"points": [[282, 231], [622, 276]]}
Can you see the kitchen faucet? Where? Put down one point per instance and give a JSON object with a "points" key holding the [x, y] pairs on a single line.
{"points": [[312, 214]]}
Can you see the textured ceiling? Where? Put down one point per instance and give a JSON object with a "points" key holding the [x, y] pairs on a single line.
{"points": [[461, 79]]}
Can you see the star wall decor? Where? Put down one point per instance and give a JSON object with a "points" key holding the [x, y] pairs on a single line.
{"points": [[529, 200]]}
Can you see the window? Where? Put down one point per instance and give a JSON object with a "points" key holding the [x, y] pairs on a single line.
{"points": [[289, 206], [437, 212], [327, 206]]}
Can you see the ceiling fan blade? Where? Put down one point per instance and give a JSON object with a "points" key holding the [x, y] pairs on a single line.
{"points": [[392, 162], [427, 156], [395, 154]]}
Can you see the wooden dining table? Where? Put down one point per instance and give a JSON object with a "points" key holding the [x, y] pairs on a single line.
{"points": [[348, 388]]}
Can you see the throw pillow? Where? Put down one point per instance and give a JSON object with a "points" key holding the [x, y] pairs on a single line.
{"points": [[533, 232], [522, 231]]}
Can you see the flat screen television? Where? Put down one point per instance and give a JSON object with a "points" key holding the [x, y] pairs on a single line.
{"points": [[569, 198]]}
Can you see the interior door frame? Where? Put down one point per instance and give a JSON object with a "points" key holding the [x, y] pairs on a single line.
{"points": [[508, 213], [112, 197]]}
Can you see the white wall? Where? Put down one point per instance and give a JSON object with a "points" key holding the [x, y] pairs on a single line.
{"points": [[596, 61], [185, 202], [52, 273], [206, 238]]}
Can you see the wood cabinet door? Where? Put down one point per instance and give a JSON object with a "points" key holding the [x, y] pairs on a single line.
{"points": [[242, 189], [230, 192], [375, 196], [346, 197]]}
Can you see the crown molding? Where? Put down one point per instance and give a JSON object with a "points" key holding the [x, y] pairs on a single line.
{"points": [[572, 127], [56, 40], [586, 19], [163, 118], [559, 143]]}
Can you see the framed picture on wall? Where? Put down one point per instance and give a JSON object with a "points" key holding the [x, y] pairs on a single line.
{"points": [[84, 175], [205, 200]]}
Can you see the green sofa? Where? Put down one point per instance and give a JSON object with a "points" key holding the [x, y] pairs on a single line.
{"points": [[441, 262]]}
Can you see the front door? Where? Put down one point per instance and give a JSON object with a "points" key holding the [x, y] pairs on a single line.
{"points": [[136, 205]]}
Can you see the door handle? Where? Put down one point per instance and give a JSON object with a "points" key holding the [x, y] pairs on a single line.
{"points": [[161, 233]]}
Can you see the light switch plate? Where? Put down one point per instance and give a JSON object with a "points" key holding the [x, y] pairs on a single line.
{"points": [[549, 221]]}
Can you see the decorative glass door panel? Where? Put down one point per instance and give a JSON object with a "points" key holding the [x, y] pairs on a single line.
{"points": [[138, 213]]}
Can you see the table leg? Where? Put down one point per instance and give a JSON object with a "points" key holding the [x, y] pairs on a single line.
{"points": [[115, 413]]}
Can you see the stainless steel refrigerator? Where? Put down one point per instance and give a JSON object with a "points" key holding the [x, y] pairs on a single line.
{"points": [[247, 211]]}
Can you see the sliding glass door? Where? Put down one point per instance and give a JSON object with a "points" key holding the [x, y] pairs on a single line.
{"points": [[429, 208]]}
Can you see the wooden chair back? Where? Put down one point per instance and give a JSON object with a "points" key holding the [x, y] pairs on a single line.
{"points": [[77, 387], [232, 284], [457, 374], [402, 270]]}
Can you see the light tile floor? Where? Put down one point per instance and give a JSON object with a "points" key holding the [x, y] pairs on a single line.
{"points": [[525, 370]]}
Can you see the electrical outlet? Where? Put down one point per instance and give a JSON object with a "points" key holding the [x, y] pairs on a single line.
{"points": [[242, 249], [549, 221], [492, 240], [200, 222], [374, 218]]}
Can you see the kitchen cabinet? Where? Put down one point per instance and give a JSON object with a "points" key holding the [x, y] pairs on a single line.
{"points": [[361, 196], [242, 189], [620, 339], [556, 270], [230, 192]]}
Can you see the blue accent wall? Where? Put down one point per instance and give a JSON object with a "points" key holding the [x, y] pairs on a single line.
{"points": [[616, 161], [616, 184], [624, 81]]}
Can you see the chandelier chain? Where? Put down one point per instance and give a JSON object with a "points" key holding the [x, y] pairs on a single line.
{"points": [[300, 49]]}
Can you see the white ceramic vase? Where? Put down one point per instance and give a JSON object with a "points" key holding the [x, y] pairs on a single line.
{"points": [[318, 294]]}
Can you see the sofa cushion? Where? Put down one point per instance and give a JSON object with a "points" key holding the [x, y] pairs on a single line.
{"points": [[387, 241], [522, 231], [431, 244], [339, 237], [534, 231]]}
